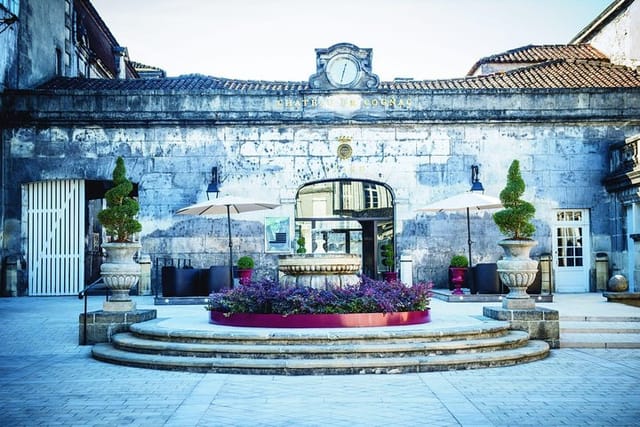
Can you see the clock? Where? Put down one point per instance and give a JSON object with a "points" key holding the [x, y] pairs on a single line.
{"points": [[342, 70]]}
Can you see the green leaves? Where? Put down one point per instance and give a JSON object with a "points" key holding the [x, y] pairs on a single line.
{"points": [[118, 218], [514, 220]]}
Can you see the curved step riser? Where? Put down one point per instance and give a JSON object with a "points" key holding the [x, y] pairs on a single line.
{"points": [[535, 350], [326, 351], [421, 348]]}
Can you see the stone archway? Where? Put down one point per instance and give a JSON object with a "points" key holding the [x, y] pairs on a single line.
{"points": [[346, 216]]}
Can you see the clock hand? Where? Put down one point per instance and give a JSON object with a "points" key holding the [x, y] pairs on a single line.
{"points": [[344, 68]]}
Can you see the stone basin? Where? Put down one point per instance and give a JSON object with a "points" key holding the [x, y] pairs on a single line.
{"points": [[319, 271]]}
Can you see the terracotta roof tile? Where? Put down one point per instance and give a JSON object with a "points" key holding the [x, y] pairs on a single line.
{"points": [[540, 53], [556, 73]]}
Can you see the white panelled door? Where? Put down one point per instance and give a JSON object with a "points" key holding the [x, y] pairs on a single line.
{"points": [[55, 237], [571, 249]]}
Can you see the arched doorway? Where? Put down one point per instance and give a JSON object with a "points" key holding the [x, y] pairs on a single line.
{"points": [[346, 216]]}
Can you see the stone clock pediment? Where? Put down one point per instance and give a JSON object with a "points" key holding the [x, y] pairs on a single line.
{"points": [[343, 66]]}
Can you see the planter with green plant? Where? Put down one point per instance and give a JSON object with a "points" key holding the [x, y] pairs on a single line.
{"points": [[120, 272], [301, 242], [389, 261], [516, 269], [245, 269], [458, 267]]}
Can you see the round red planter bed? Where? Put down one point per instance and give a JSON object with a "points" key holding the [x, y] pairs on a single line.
{"points": [[353, 320]]}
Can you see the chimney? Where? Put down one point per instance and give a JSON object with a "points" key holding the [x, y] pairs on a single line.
{"points": [[120, 54]]}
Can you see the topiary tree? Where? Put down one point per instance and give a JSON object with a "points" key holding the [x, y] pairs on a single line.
{"points": [[301, 245], [388, 259], [514, 220], [118, 218]]}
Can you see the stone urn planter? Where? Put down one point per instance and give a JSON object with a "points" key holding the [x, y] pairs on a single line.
{"points": [[517, 271], [120, 273]]}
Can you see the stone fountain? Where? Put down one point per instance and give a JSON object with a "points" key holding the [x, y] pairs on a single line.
{"points": [[320, 270]]}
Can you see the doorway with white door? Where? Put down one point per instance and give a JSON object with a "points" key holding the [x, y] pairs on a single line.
{"points": [[572, 250]]}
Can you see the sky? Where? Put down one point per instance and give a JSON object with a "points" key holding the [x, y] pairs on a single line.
{"points": [[276, 39]]}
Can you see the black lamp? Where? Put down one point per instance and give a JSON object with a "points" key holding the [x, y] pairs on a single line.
{"points": [[214, 185], [476, 185]]}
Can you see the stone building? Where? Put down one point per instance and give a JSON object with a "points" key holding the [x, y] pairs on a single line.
{"points": [[350, 160]]}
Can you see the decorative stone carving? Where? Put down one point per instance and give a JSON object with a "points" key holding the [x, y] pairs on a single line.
{"points": [[319, 271], [120, 273], [518, 272]]}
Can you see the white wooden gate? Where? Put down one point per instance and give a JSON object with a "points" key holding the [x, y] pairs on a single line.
{"points": [[55, 237]]}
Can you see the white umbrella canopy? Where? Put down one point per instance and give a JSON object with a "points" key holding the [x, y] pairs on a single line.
{"points": [[464, 201], [219, 206], [227, 205]]}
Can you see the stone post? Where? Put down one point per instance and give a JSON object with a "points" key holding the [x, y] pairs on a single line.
{"points": [[11, 276], [406, 269], [144, 283]]}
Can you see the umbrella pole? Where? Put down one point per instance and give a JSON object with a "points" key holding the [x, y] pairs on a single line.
{"points": [[230, 247], [470, 271], [469, 238]]}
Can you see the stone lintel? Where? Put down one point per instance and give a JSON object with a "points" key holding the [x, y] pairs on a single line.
{"points": [[541, 323], [102, 325]]}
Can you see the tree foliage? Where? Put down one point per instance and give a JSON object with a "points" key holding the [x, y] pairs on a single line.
{"points": [[514, 220], [119, 218]]}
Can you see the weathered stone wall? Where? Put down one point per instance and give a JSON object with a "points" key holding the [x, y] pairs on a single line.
{"points": [[269, 146], [619, 40]]}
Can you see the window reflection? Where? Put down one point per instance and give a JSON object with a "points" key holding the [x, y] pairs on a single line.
{"points": [[346, 216]]}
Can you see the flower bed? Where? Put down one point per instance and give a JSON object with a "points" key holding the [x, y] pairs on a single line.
{"points": [[349, 320], [369, 303]]}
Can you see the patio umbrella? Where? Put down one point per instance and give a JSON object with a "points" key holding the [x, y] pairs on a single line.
{"points": [[226, 205], [465, 201]]}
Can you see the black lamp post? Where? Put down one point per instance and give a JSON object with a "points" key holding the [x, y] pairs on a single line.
{"points": [[476, 187]]}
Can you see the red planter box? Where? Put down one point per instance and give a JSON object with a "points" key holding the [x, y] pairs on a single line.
{"points": [[353, 320]]}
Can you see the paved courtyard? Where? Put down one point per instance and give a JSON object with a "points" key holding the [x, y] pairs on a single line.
{"points": [[47, 379]]}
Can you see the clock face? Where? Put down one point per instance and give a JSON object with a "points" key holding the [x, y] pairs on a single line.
{"points": [[342, 70]]}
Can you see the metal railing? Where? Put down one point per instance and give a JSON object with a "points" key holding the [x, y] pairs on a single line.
{"points": [[83, 294]]}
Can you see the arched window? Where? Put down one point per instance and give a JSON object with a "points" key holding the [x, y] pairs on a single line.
{"points": [[346, 216]]}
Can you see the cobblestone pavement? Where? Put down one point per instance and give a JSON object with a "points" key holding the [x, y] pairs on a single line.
{"points": [[47, 379]]}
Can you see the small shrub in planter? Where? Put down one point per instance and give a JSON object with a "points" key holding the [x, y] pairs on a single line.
{"points": [[245, 263], [301, 245], [459, 261], [245, 269]]}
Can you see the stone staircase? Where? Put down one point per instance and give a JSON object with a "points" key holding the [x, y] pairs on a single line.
{"points": [[599, 332], [416, 348]]}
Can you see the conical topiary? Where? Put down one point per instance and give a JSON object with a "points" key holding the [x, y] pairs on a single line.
{"points": [[118, 218], [514, 220]]}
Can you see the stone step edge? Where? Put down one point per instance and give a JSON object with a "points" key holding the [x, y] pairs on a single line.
{"points": [[240, 334], [599, 340], [534, 350], [130, 342], [599, 319], [598, 329]]}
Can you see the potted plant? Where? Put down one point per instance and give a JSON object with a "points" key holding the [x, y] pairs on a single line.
{"points": [[245, 269], [120, 272], [458, 267], [301, 245], [517, 270], [388, 260]]}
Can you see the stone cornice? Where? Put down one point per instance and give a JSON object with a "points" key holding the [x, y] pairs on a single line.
{"points": [[122, 107]]}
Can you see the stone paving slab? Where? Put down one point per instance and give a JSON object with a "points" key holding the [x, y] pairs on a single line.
{"points": [[47, 379]]}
